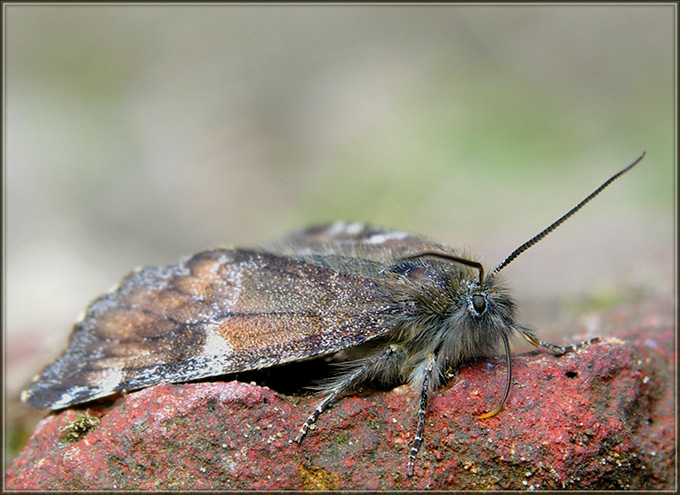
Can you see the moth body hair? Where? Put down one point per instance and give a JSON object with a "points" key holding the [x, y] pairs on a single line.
{"points": [[434, 327]]}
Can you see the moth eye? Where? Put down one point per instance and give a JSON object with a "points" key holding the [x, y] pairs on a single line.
{"points": [[479, 303]]}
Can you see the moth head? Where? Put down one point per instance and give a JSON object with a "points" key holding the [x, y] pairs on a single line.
{"points": [[490, 310], [482, 294], [476, 311]]}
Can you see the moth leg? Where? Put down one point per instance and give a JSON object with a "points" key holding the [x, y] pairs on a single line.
{"points": [[361, 371], [557, 350], [322, 407], [424, 396]]}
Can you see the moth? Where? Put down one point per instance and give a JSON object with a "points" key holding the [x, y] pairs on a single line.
{"points": [[393, 307]]}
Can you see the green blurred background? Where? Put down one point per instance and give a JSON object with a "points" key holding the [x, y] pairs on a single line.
{"points": [[135, 135]]}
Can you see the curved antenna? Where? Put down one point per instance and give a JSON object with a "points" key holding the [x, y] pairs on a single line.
{"points": [[562, 219], [449, 257]]}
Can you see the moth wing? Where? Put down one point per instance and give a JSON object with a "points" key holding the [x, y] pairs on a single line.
{"points": [[351, 239], [218, 312], [353, 248]]}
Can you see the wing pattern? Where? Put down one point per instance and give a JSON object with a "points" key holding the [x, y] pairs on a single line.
{"points": [[220, 311]]}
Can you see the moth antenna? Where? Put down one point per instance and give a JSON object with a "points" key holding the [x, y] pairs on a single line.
{"points": [[449, 257], [563, 219], [491, 414]]}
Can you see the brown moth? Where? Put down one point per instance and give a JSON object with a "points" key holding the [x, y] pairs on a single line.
{"points": [[401, 309]]}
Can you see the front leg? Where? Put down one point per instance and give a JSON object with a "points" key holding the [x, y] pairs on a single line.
{"points": [[426, 372], [557, 350]]}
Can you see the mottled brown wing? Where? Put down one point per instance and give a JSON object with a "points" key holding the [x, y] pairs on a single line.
{"points": [[217, 312]]}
